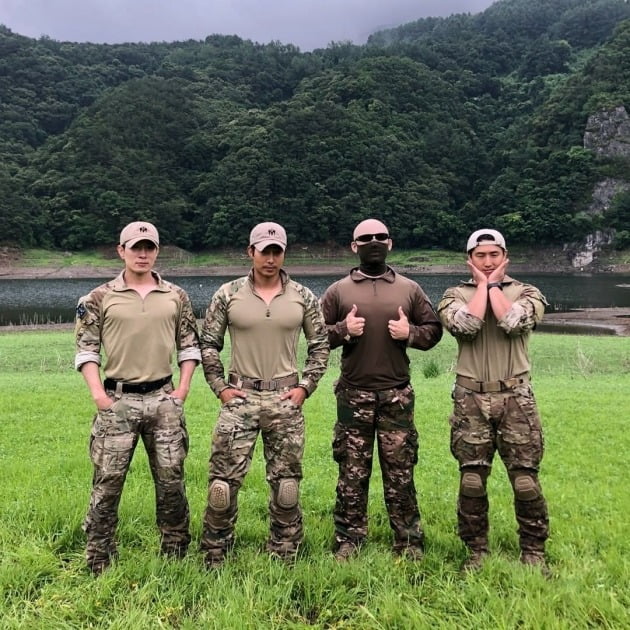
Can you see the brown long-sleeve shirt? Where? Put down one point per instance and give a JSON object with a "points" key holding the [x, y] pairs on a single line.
{"points": [[374, 361]]}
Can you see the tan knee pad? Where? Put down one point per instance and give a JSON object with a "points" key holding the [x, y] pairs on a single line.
{"points": [[288, 493], [526, 488], [219, 495], [472, 485]]}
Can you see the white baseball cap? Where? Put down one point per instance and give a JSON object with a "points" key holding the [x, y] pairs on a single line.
{"points": [[485, 237]]}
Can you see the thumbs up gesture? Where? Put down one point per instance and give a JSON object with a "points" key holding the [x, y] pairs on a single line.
{"points": [[353, 323], [399, 328]]}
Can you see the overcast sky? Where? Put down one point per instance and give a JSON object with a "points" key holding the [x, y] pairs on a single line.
{"points": [[308, 24]]}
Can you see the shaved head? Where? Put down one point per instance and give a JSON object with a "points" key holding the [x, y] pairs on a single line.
{"points": [[370, 226]]}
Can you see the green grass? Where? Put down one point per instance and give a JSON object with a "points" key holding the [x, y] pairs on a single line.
{"points": [[581, 384]]}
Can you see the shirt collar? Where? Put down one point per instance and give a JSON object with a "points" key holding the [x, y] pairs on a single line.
{"points": [[358, 276], [119, 284]]}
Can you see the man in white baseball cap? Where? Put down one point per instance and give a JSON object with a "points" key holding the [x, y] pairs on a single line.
{"points": [[491, 316]]}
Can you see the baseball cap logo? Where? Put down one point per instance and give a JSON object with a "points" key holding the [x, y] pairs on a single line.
{"points": [[143, 229], [271, 232]]}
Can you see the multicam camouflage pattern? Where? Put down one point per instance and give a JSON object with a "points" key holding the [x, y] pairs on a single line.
{"points": [[159, 420], [216, 323], [507, 422], [88, 326], [387, 417], [281, 424], [527, 309]]}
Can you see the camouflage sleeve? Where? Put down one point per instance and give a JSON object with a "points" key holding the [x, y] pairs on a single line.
{"points": [[526, 311], [211, 341], [87, 329], [335, 330], [187, 335], [425, 329], [453, 312], [318, 347]]}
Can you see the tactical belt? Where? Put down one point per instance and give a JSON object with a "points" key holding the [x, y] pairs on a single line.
{"points": [[484, 387], [137, 388], [243, 382]]}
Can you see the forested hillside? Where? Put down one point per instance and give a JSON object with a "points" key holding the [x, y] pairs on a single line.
{"points": [[436, 127]]}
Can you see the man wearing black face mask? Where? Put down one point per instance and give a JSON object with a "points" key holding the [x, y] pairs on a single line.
{"points": [[375, 314]]}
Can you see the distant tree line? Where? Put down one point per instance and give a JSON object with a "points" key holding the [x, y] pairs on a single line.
{"points": [[437, 127]]}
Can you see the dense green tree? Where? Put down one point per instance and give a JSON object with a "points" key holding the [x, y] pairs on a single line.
{"points": [[434, 126]]}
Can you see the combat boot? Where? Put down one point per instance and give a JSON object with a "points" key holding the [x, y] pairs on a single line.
{"points": [[475, 560], [345, 550], [214, 558], [536, 559], [285, 551]]}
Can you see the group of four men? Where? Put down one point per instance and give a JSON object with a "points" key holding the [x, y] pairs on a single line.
{"points": [[139, 320]]}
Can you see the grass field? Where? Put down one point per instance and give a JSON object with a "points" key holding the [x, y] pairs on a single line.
{"points": [[582, 386]]}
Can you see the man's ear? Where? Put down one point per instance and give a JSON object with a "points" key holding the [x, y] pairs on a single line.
{"points": [[121, 251], [390, 244], [354, 247]]}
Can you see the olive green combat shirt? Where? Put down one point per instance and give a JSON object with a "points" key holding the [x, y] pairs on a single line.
{"points": [[138, 335], [264, 337], [491, 349]]}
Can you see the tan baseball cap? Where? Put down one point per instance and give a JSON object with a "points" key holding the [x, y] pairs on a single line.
{"points": [[269, 233], [139, 231], [485, 237]]}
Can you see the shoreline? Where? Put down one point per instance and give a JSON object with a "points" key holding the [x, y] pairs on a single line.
{"points": [[10, 272], [607, 321]]}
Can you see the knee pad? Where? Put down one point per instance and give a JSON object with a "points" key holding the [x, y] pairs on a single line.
{"points": [[219, 495], [472, 485], [526, 488], [288, 493]]}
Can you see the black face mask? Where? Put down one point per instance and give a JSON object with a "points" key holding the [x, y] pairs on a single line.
{"points": [[372, 256]]}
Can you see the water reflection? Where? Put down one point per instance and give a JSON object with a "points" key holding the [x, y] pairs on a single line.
{"points": [[54, 300]]}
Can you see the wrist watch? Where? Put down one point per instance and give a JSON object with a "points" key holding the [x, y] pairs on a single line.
{"points": [[492, 285]]}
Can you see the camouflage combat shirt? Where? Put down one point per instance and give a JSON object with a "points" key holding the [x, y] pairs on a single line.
{"points": [[492, 349], [264, 337], [138, 335]]}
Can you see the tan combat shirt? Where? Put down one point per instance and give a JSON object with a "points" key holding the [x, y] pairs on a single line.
{"points": [[138, 335], [491, 349], [264, 337]]}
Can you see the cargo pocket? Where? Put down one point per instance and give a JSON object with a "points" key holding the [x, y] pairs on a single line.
{"points": [[339, 445]]}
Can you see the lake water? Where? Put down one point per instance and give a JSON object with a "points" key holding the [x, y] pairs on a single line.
{"points": [[54, 300]]}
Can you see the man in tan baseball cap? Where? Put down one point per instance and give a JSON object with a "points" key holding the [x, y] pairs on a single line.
{"points": [[140, 321], [263, 392]]}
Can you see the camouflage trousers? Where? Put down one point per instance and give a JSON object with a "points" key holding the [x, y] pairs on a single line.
{"points": [[281, 424], [507, 422], [159, 420], [387, 417]]}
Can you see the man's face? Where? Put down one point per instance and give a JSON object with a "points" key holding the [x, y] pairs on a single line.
{"points": [[487, 258], [139, 258], [268, 262], [372, 248]]}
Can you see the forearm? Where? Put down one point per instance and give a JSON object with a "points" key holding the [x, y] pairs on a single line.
{"points": [[186, 371], [499, 303], [92, 376], [478, 304]]}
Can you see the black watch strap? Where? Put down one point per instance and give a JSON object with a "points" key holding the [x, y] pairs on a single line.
{"points": [[492, 285]]}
